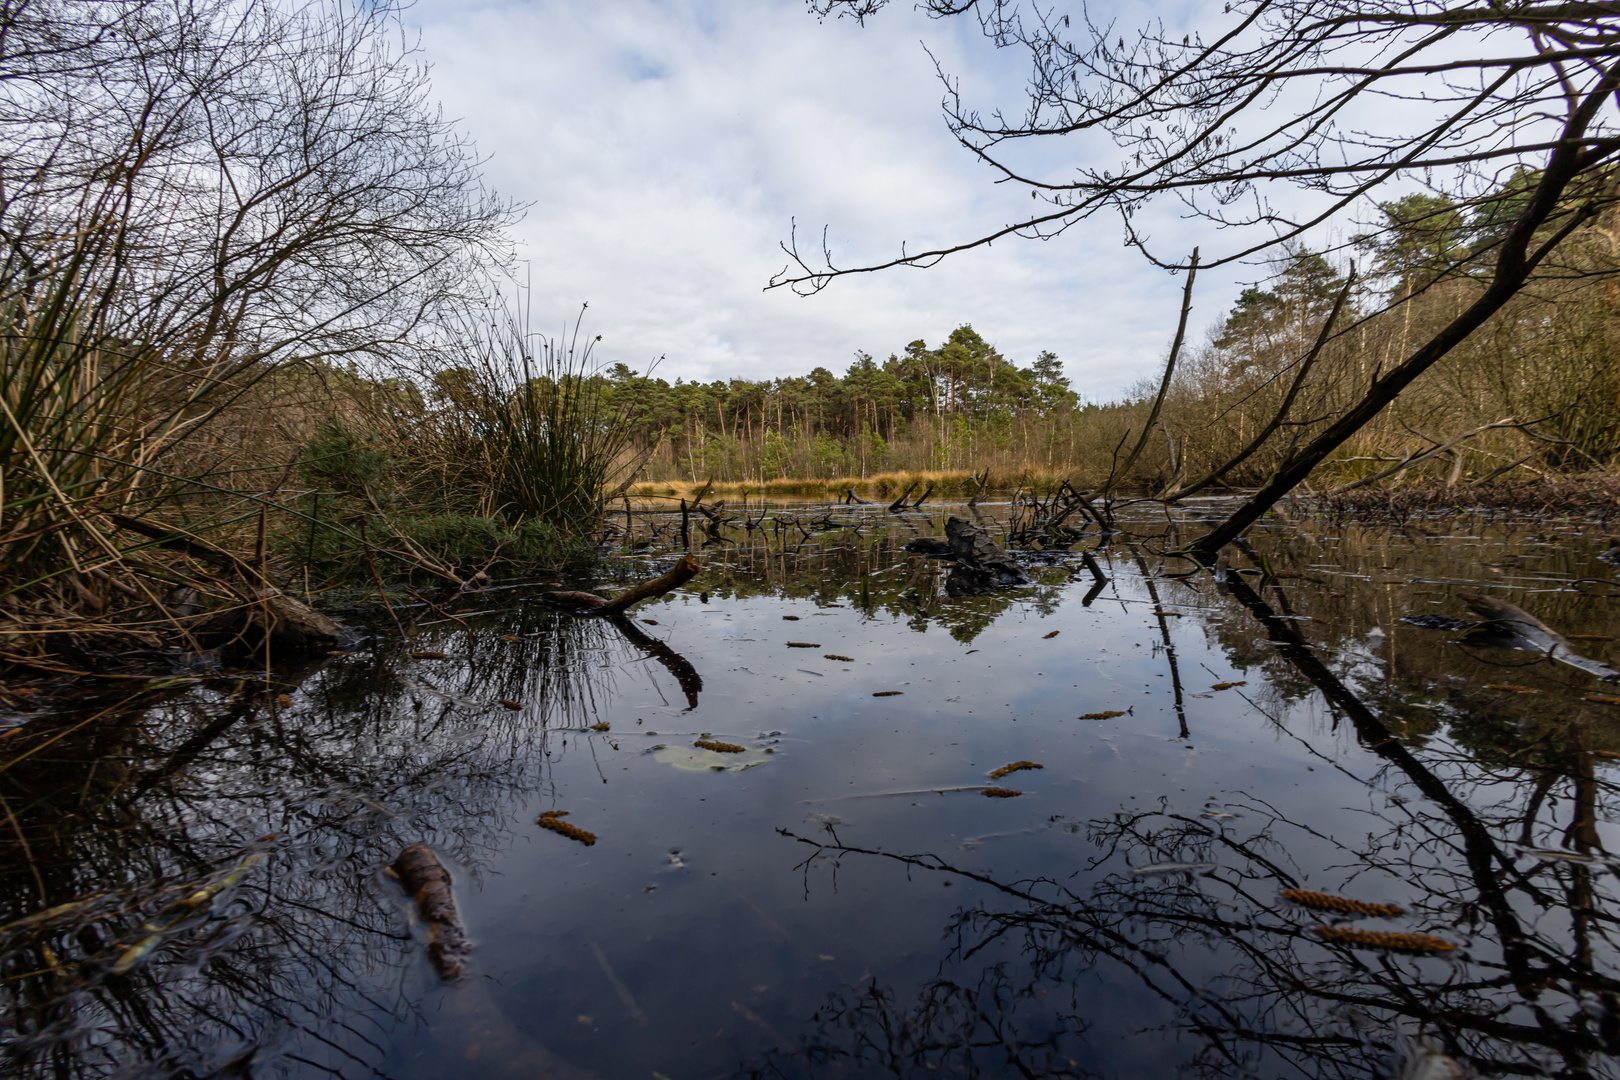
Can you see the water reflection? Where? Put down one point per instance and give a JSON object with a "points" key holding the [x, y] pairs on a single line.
{"points": [[117, 824], [192, 877]]}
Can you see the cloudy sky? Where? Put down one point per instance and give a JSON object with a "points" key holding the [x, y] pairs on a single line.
{"points": [[666, 148]]}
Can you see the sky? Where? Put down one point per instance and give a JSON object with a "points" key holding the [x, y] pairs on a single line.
{"points": [[666, 149]]}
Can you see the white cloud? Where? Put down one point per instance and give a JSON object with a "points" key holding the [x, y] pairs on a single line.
{"points": [[665, 147]]}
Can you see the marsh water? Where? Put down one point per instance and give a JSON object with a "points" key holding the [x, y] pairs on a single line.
{"points": [[194, 868]]}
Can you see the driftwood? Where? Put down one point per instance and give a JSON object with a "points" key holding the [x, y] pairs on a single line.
{"points": [[975, 551], [900, 503], [684, 570], [428, 882], [851, 497], [293, 627], [1512, 627], [923, 497]]}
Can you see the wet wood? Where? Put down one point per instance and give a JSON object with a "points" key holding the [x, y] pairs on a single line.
{"points": [[684, 569], [1513, 627], [294, 628], [975, 550], [428, 883]]}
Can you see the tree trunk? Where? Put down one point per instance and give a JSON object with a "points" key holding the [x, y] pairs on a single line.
{"points": [[1513, 267]]}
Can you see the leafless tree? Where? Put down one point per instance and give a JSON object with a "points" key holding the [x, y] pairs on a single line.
{"points": [[1294, 115]]}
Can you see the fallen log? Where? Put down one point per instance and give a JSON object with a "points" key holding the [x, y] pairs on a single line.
{"points": [[293, 628], [900, 503], [684, 569], [923, 497], [1512, 627], [851, 497], [428, 882]]}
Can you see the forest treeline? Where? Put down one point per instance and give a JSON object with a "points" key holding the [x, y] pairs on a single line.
{"points": [[1536, 393]]}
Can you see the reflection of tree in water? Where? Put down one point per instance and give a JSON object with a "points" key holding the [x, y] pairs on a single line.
{"points": [[1237, 983], [116, 827], [920, 591]]}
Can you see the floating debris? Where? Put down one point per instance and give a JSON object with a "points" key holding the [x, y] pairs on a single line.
{"points": [[650, 622], [1603, 699], [803, 645], [1000, 793], [427, 654], [552, 819], [840, 659], [1229, 685], [175, 914], [1006, 770], [720, 747], [1053, 634], [1168, 614], [888, 693], [510, 704], [1172, 868], [1219, 815], [428, 883], [790, 618], [601, 725], [284, 701], [1395, 941], [1343, 905], [1512, 688], [1107, 714], [509, 637]]}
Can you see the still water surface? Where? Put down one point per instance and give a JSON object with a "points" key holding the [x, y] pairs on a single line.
{"points": [[841, 898]]}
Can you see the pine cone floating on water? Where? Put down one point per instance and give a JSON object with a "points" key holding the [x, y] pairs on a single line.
{"points": [[552, 819], [1015, 767], [1386, 939], [1343, 905]]}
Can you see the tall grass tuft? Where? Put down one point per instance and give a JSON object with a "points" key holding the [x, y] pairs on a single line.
{"points": [[555, 444]]}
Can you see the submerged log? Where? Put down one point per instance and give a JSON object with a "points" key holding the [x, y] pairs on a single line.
{"points": [[1512, 627], [975, 551], [428, 882]]}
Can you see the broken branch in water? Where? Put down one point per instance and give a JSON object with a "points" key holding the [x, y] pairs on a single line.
{"points": [[684, 570], [1509, 626], [428, 882]]}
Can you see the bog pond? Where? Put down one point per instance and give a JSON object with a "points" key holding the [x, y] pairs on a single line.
{"points": [[1259, 827]]}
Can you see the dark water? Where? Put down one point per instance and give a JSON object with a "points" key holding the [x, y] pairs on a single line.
{"points": [[841, 898]]}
